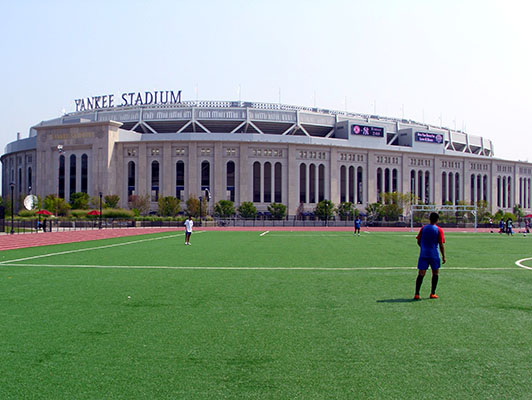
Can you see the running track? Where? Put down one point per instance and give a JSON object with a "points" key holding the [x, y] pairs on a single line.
{"points": [[18, 241]]}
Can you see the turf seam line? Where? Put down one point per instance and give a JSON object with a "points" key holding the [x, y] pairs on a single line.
{"points": [[264, 233], [246, 268]]}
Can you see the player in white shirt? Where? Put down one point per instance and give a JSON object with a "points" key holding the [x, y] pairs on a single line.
{"points": [[188, 229]]}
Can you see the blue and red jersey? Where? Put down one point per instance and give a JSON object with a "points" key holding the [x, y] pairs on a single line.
{"points": [[429, 237]]}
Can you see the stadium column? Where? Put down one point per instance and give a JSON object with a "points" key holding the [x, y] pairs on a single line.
{"points": [[333, 181], [218, 192], [244, 179], [113, 162], [371, 178], [167, 171], [437, 183], [192, 185], [293, 180], [142, 170]]}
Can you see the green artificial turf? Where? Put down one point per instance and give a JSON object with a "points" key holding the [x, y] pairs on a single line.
{"points": [[269, 333]]}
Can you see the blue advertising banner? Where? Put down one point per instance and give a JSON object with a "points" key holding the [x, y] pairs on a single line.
{"points": [[367, 130], [429, 137]]}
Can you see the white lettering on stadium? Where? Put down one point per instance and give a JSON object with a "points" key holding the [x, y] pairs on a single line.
{"points": [[129, 99]]}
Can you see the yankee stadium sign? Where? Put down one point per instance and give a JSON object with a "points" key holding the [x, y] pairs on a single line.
{"points": [[128, 99]]}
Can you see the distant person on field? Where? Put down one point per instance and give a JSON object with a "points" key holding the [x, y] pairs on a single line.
{"points": [[509, 227], [357, 225], [188, 229], [429, 238], [491, 225], [501, 226]]}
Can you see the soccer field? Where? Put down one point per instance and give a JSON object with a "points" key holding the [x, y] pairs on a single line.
{"points": [[266, 316]]}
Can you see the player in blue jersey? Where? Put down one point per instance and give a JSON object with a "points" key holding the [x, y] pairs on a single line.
{"points": [[357, 225], [429, 238]]}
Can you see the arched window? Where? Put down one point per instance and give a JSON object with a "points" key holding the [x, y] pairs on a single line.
{"points": [[510, 192], [278, 182], [387, 188], [61, 183], [395, 187], [485, 188], [30, 179], [360, 185], [72, 174], [267, 182], [456, 188], [413, 182], [155, 181], [302, 183], [379, 184], [130, 178], [479, 187], [504, 197], [84, 173], [205, 176], [256, 182], [498, 191], [451, 187], [443, 187], [230, 180], [321, 182], [180, 180], [473, 189], [420, 186], [343, 188], [312, 183]]}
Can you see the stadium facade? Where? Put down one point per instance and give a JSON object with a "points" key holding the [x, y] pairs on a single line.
{"points": [[259, 152]]}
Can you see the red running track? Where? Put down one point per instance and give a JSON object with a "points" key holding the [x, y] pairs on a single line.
{"points": [[18, 241]]}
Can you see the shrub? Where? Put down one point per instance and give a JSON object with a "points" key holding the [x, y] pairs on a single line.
{"points": [[79, 201], [346, 210], [168, 206], [247, 210], [278, 210], [224, 209], [79, 213], [111, 201], [56, 205], [140, 203], [325, 210], [117, 213]]}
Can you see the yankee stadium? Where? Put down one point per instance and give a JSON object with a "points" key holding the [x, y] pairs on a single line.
{"points": [[152, 143]]}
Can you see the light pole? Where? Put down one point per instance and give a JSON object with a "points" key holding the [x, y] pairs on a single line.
{"points": [[12, 186], [100, 227]]}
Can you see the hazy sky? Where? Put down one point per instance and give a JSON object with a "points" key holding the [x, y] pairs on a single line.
{"points": [[467, 62]]}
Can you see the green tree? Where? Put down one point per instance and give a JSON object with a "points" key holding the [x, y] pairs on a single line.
{"points": [[374, 211], [140, 203], [111, 201], [247, 210], [224, 209], [391, 212], [169, 206], [346, 210], [278, 210], [79, 201], [518, 211], [483, 214], [56, 205], [193, 207], [325, 210]]}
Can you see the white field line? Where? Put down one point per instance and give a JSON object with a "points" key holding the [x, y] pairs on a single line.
{"points": [[9, 262], [518, 263], [246, 268], [264, 233]]}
